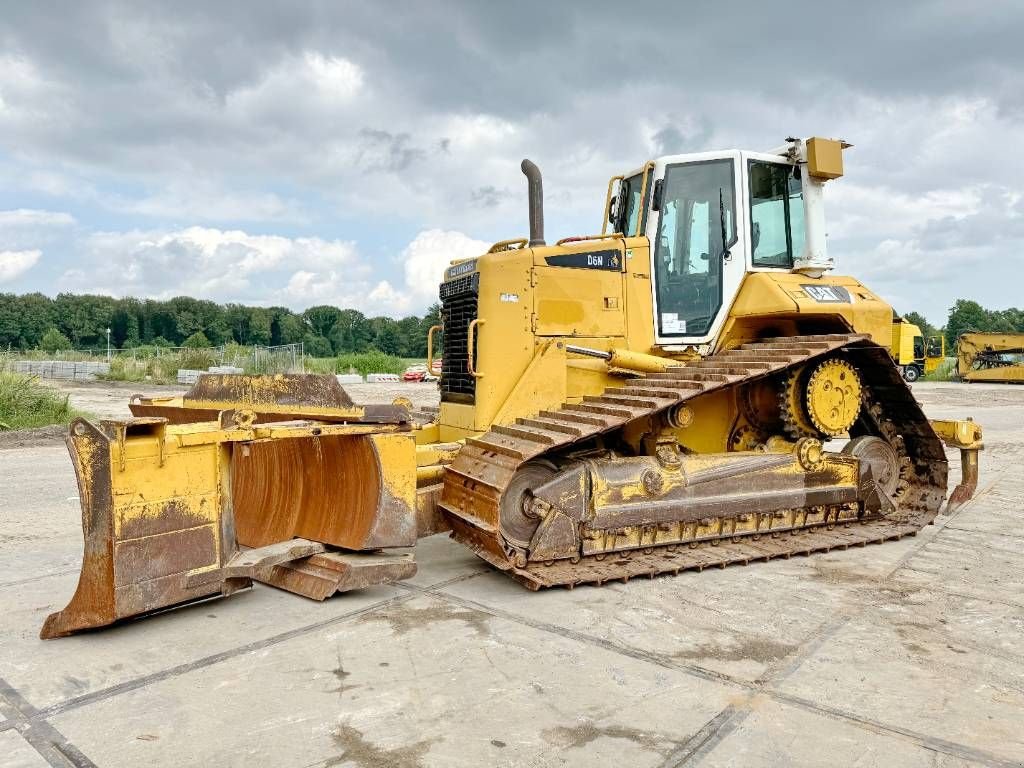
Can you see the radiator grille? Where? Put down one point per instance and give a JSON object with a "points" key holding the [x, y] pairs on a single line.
{"points": [[458, 310]]}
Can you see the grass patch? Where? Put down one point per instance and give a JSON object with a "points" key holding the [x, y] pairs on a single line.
{"points": [[945, 371], [25, 403], [358, 362], [162, 369]]}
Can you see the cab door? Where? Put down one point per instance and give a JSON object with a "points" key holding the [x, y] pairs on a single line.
{"points": [[698, 256]]}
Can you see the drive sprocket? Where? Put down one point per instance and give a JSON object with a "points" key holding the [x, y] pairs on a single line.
{"points": [[795, 420], [833, 396]]}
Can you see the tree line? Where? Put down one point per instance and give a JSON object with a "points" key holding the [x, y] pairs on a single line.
{"points": [[80, 321], [967, 315]]}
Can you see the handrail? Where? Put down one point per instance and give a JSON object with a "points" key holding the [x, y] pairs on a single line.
{"points": [[608, 202], [430, 348], [470, 348], [581, 238], [506, 245]]}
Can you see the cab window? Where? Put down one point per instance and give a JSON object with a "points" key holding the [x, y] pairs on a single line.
{"points": [[776, 214], [697, 209], [630, 207]]}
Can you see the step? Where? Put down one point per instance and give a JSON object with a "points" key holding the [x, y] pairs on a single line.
{"points": [[577, 417], [605, 410], [551, 426], [521, 433]]}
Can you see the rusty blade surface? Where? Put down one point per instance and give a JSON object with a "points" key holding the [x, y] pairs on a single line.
{"points": [[350, 492]]}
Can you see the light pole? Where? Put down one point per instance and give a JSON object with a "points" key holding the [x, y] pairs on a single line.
{"points": [[108, 345]]}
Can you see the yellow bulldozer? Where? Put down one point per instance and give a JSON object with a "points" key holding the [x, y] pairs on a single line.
{"points": [[691, 387], [993, 357]]}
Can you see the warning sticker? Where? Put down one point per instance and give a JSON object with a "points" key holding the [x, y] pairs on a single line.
{"points": [[670, 323]]}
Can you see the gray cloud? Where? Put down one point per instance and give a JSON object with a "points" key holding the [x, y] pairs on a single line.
{"points": [[259, 111]]}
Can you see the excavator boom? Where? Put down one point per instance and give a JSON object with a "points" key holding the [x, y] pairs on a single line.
{"points": [[995, 357]]}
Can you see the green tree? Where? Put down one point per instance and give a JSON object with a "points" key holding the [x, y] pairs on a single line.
{"points": [[927, 329], [259, 326], [966, 315], [412, 339], [10, 321], [290, 329], [35, 316], [197, 340], [388, 339], [352, 332], [84, 318], [54, 341], [317, 346], [321, 319]]}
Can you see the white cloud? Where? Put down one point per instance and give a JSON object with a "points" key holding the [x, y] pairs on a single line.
{"points": [[427, 256], [223, 265], [16, 263], [28, 217], [311, 83]]}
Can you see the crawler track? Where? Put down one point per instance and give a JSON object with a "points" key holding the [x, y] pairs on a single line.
{"points": [[476, 480]]}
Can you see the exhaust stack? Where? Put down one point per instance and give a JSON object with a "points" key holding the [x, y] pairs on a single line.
{"points": [[536, 196]]}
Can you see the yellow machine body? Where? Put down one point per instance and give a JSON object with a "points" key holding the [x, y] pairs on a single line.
{"points": [[657, 397], [529, 313]]}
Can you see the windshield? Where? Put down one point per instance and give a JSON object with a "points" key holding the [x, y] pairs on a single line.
{"points": [[697, 205], [776, 214]]}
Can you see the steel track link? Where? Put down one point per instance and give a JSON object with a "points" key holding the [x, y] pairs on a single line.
{"points": [[476, 480]]}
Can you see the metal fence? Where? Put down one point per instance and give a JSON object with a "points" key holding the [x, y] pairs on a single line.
{"points": [[287, 358], [86, 364], [60, 369]]}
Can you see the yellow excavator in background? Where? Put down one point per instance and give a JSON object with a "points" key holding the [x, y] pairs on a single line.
{"points": [[997, 357], [914, 355], [691, 387]]}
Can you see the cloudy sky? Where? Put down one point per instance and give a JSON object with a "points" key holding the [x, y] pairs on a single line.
{"points": [[337, 152]]}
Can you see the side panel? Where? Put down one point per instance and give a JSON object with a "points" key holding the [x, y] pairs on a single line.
{"points": [[578, 302]]}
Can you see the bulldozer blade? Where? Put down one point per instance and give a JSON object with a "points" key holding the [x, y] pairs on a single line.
{"points": [[166, 507], [272, 398]]}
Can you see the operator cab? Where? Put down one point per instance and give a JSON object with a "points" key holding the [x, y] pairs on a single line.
{"points": [[712, 217]]}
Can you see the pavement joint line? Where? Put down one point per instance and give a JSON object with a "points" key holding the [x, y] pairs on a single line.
{"points": [[571, 634], [207, 661], [180, 669], [710, 733], [955, 749], [786, 666], [967, 596], [40, 577], [766, 684], [38, 733], [978, 545], [736, 717], [986, 533]]}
